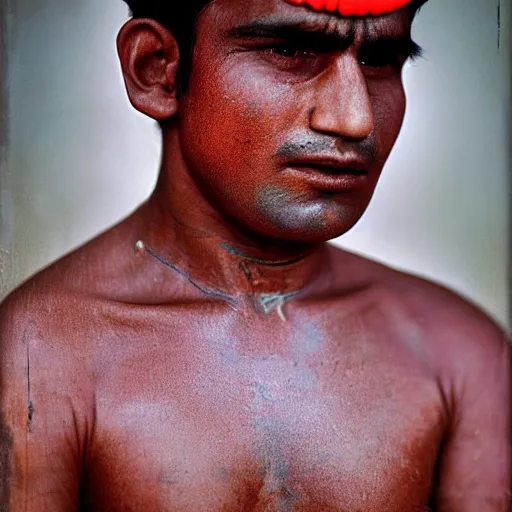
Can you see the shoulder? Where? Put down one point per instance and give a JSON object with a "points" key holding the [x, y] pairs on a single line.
{"points": [[451, 323], [41, 340], [43, 306], [110, 268], [46, 343], [46, 396], [456, 333], [59, 317], [95, 271], [464, 351], [43, 333]]}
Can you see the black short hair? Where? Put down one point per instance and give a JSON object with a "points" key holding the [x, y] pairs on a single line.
{"points": [[180, 18]]}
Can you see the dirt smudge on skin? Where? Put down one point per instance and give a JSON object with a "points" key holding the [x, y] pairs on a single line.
{"points": [[274, 467], [311, 340], [268, 303], [288, 211]]}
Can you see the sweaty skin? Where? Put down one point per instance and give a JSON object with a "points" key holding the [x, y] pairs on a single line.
{"points": [[212, 352]]}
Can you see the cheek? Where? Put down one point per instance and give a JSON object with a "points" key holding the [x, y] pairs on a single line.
{"points": [[389, 102], [240, 97], [232, 122]]}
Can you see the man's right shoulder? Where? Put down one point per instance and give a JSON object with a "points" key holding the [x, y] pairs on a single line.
{"points": [[65, 294], [40, 301], [43, 325], [46, 397], [42, 320]]}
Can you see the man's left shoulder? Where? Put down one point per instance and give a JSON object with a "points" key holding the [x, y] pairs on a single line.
{"points": [[445, 320], [458, 333], [470, 356]]}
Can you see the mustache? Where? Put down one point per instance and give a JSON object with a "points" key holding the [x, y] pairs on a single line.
{"points": [[310, 146]]}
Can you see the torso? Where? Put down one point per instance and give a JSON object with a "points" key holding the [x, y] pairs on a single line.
{"points": [[186, 403], [202, 408], [149, 395]]}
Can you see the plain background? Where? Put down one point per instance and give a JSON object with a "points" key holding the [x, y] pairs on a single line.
{"points": [[76, 158]]}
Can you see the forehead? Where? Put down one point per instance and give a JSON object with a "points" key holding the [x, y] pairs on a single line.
{"points": [[229, 14]]}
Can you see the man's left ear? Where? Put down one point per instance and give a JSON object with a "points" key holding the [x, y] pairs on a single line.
{"points": [[149, 56]]}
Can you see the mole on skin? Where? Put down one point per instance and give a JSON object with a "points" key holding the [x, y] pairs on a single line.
{"points": [[212, 352]]}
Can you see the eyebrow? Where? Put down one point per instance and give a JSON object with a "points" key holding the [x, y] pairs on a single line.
{"points": [[320, 35]]}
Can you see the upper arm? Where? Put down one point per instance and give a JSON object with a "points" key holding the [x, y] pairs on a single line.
{"points": [[475, 466], [40, 453]]}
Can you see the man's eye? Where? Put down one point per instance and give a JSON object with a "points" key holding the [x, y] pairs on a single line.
{"points": [[291, 58], [289, 51], [380, 60]]}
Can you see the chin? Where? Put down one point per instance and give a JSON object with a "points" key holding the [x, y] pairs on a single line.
{"points": [[309, 231], [314, 236], [313, 222]]}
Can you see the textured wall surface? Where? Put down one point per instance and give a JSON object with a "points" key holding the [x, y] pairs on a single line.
{"points": [[80, 158], [7, 272]]}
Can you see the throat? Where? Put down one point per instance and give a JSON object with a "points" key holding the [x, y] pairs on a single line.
{"points": [[272, 283], [219, 268]]}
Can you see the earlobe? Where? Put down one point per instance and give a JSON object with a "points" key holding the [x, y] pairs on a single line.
{"points": [[149, 56]]}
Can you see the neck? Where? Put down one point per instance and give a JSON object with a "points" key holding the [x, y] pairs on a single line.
{"points": [[183, 231]]}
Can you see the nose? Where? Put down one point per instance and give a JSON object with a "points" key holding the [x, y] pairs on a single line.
{"points": [[342, 103]]}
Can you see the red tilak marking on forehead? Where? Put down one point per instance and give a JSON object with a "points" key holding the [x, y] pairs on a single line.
{"points": [[353, 7]]}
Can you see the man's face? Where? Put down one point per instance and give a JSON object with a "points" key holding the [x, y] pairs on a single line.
{"points": [[291, 114]]}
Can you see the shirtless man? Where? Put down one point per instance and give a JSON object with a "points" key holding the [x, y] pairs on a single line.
{"points": [[212, 352]]}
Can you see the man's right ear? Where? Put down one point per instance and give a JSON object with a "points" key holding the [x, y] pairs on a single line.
{"points": [[149, 56]]}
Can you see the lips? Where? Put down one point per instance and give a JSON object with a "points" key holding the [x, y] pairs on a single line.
{"points": [[333, 165], [330, 174]]}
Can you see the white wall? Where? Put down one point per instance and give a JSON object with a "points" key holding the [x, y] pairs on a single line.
{"points": [[80, 158]]}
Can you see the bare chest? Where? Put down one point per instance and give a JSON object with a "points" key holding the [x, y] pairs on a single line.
{"points": [[219, 418]]}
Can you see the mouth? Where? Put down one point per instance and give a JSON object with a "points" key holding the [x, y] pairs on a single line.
{"points": [[331, 175]]}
